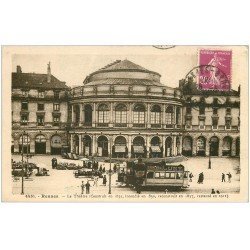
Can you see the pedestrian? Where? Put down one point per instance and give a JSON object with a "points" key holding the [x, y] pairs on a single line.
{"points": [[199, 179], [103, 170], [115, 168], [202, 178], [104, 180], [83, 186], [87, 187], [100, 169], [229, 177], [218, 192], [191, 176], [213, 191], [53, 162], [95, 181], [223, 178]]}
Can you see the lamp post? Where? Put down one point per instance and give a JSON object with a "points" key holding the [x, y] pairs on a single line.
{"points": [[209, 159], [110, 170], [22, 190]]}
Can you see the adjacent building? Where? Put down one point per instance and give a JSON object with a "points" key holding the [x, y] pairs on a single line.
{"points": [[122, 109], [39, 113]]}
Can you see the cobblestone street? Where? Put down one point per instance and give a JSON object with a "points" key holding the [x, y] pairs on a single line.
{"points": [[64, 182]]}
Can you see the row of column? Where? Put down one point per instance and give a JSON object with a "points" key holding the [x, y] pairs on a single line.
{"points": [[175, 148], [129, 115]]}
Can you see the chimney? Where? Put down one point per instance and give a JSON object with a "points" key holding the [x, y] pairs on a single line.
{"points": [[18, 69], [48, 73]]}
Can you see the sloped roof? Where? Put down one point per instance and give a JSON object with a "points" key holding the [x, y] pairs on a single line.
{"points": [[124, 65], [34, 80]]}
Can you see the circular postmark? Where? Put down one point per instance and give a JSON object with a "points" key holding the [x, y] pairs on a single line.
{"points": [[208, 77], [163, 46]]}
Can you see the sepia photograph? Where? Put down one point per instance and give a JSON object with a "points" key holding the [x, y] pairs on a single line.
{"points": [[126, 123]]}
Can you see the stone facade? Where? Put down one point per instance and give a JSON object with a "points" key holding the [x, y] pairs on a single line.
{"points": [[124, 110]]}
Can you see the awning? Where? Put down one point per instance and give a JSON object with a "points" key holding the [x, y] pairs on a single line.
{"points": [[156, 149], [120, 149], [138, 149]]}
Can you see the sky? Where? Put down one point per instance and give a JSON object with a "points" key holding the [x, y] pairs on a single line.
{"points": [[73, 63]]}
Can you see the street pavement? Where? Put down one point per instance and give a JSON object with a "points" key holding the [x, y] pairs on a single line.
{"points": [[63, 181]]}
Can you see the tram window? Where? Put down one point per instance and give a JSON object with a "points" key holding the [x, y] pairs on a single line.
{"points": [[178, 176], [157, 175], [167, 175], [185, 175], [162, 175], [172, 175], [150, 175]]}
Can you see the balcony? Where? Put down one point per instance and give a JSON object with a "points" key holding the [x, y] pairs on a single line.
{"points": [[102, 125], [155, 125], [121, 125], [139, 125], [87, 124]]}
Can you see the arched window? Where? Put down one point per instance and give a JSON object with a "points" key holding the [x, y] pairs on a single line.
{"points": [[155, 114], [139, 115], [120, 114], [103, 114], [169, 115]]}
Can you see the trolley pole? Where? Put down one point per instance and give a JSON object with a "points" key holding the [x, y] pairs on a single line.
{"points": [[209, 159], [110, 149], [22, 191]]}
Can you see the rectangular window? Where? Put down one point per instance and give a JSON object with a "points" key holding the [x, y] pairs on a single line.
{"points": [[202, 110], [25, 93], [56, 120], [24, 106], [215, 122], [40, 106], [40, 120], [56, 106], [228, 124], [228, 111], [56, 94], [139, 117], [202, 124], [24, 119], [41, 94], [103, 116], [188, 123], [121, 117], [188, 110], [169, 118], [215, 111], [155, 117]]}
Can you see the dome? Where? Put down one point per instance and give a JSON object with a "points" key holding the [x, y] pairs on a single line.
{"points": [[123, 73]]}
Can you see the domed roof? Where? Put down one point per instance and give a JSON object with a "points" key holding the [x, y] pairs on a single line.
{"points": [[123, 73], [125, 65]]}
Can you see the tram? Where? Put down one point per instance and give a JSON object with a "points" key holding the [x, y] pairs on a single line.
{"points": [[154, 174]]}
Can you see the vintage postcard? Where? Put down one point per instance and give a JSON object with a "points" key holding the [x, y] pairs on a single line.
{"points": [[125, 123]]}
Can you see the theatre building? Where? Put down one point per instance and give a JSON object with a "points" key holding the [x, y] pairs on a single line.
{"points": [[125, 110], [39, 113]]}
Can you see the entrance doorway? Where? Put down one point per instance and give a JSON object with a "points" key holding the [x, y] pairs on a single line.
{"points": [[40, 144]]}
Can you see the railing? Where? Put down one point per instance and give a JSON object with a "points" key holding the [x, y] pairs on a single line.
{"points": [[139, 125], [121, 125], [102, 125]]}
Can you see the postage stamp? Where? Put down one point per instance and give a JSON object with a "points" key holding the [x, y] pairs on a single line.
{"points": [[216, 70]]}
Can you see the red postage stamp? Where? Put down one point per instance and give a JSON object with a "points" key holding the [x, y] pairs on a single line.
{"points": [[215, 73]]}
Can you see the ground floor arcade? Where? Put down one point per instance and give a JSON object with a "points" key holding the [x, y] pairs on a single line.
{"points": [[154, 145]]}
